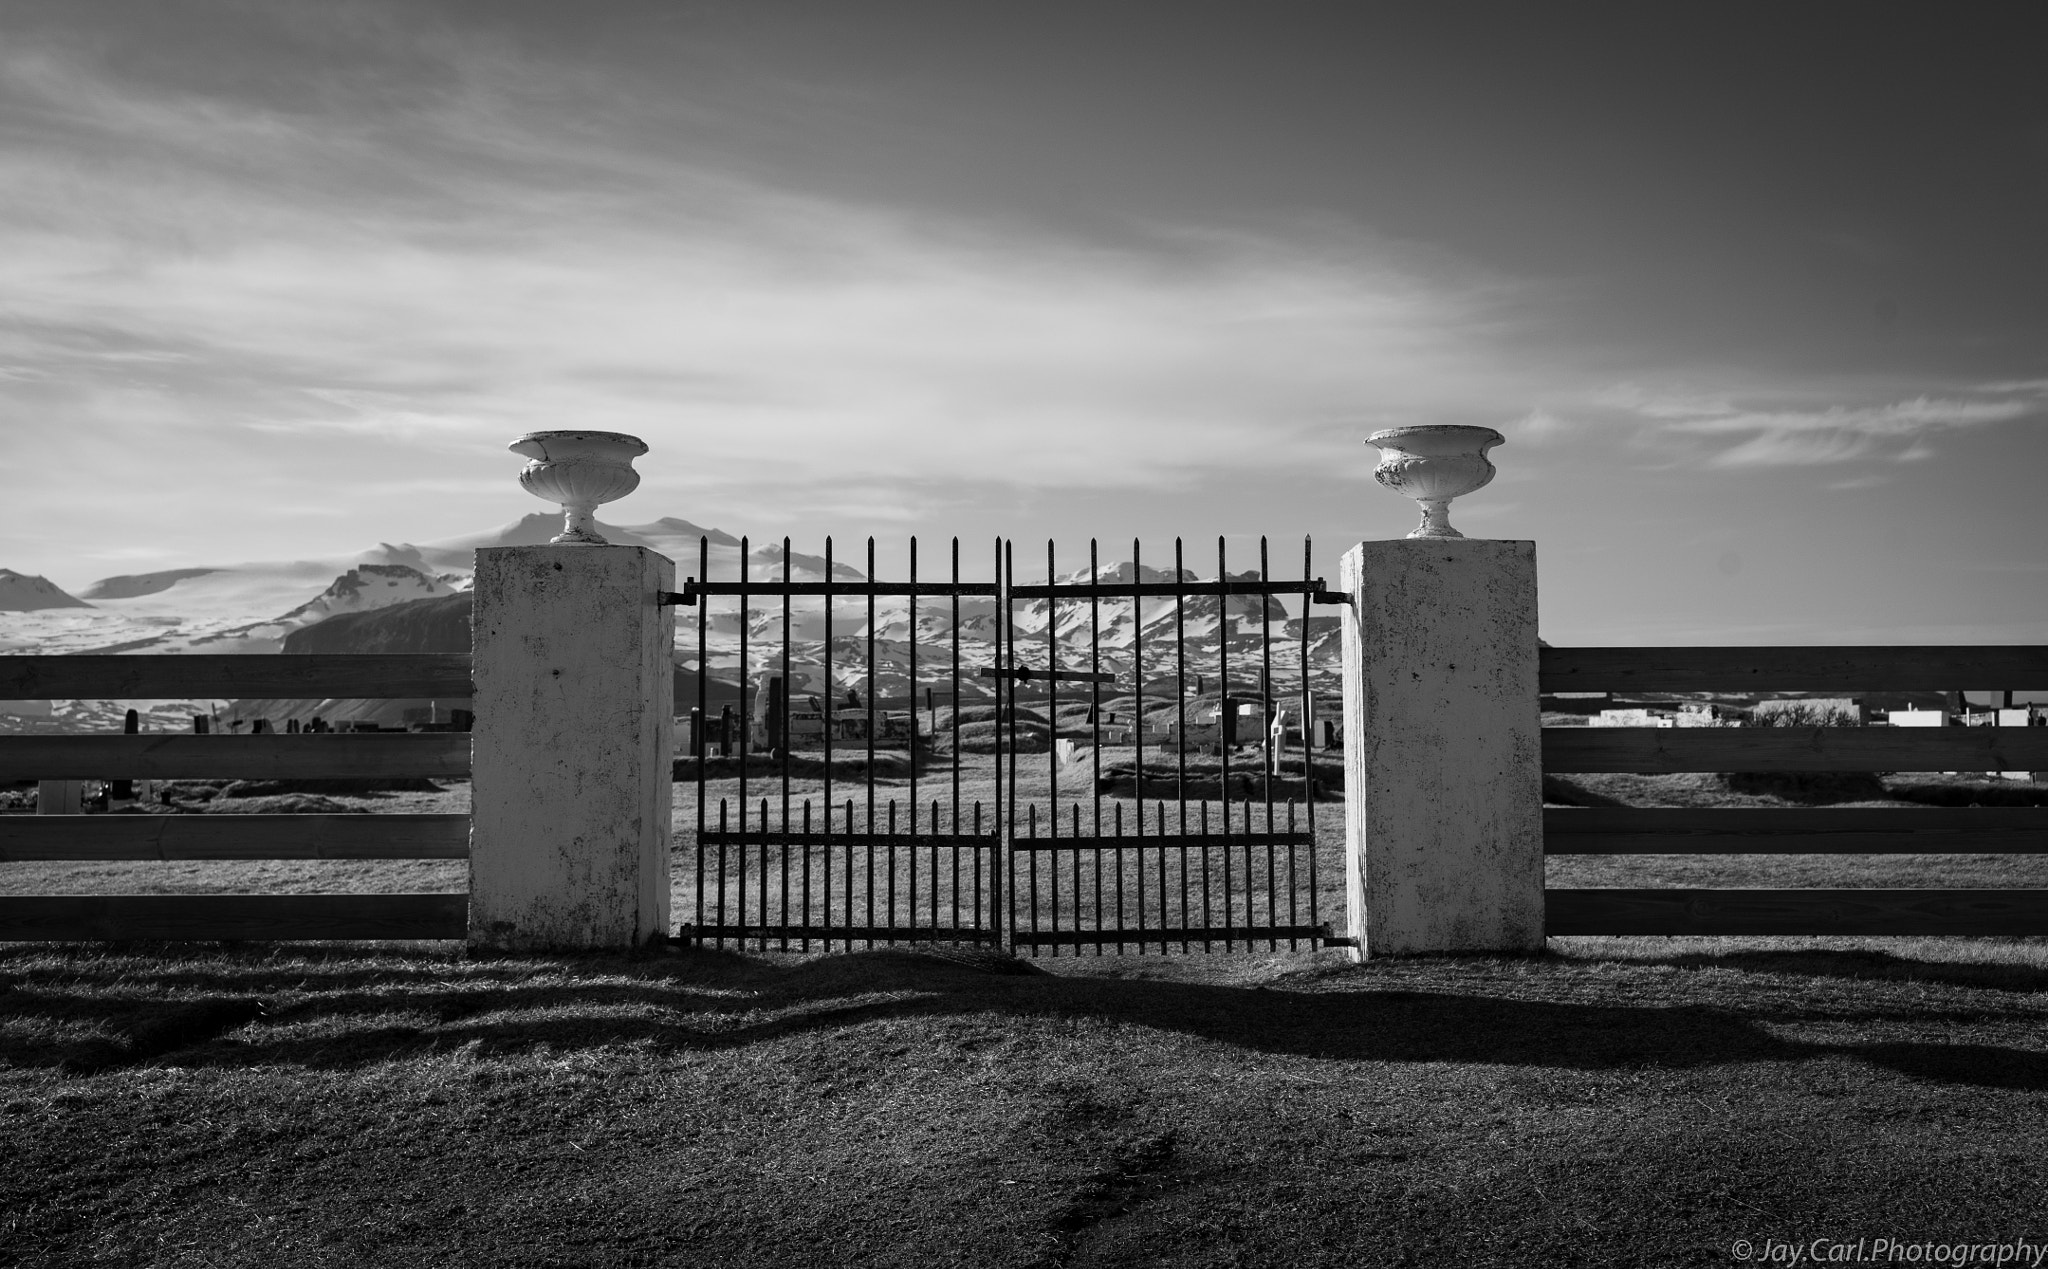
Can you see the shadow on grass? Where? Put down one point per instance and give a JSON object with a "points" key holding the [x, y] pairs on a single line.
{"points": [[1857, 964], [347, 1012]]}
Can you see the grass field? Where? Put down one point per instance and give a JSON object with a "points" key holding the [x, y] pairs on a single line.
{"points": [[1636, 1102], [1613, 1102]]}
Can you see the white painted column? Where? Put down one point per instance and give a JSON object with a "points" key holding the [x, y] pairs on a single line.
{"points": [[571, 748], [1443, 763]]}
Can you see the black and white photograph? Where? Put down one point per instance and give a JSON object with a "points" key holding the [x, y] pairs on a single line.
{"points": [[769, 634]]}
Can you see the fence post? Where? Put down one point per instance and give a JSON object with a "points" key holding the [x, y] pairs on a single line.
{"points": [[572, 747], [1442, 747]]}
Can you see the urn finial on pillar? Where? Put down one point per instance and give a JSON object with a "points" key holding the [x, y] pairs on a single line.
{"points": [[580, 471], [1433, 464]]}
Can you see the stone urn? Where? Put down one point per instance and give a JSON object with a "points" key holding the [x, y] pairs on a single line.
{"points": [[581, 471], [1434, 464]]}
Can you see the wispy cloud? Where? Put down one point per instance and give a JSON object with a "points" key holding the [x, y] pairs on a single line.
{"points": [[1742, 436], [420, 281]]}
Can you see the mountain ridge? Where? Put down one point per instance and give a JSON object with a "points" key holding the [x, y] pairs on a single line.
{"points": [[20, 592]]}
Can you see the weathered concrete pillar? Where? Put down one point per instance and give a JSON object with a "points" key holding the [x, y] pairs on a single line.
{"points": [[572, 747], [1443, 761]]}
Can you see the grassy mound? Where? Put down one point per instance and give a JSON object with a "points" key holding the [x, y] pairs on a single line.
{"points": [[1813, 788], [803, 764], [1964, 791], [282, 804], [967, 714], [1204, 779], [328, 787], [1028, 736]]}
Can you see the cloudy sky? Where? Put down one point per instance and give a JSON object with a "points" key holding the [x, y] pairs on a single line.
{"points": [[1758, 294]]}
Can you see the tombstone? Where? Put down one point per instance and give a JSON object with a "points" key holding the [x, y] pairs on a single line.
{"points": [[769, 708], [725, 731], [852, 699], [200, 725], [125, 789], [696, 732]]}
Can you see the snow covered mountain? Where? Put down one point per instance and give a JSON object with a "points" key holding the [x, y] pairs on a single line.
{"points": [[368, 586], [21, 593], [253, 608]]}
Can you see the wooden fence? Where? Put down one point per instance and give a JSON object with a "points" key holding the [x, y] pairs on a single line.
{"points": [[233, 837], [1800, 830], [1567, 831]]}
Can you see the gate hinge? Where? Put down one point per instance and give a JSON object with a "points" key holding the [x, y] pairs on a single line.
{"points": [[687, 595], [1320, 594]]}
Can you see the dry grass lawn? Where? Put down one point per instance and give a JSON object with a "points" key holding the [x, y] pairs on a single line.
{"points": [[1617, 1102]]}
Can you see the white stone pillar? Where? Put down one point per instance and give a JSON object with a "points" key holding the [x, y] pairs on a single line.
{"points": [[1443, 763], [571, 747]]}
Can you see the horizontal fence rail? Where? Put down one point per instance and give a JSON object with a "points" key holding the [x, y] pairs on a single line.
{"points": [[1794, 830], [301, 756], [320, 676], [1666, 750], [334, 756], [1796, 912], [1876, 830], [1936, 668], [210, 917], [168, 837]]}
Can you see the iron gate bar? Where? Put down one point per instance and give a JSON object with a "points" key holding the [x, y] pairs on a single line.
{"points": [[1180, 697], [695, 589], [814, 837], [1266, 719], [1168, 590], [1107, 842], [1221, 934], [782, 731], [1223, 726], [846, 934], [703, 620], [869, 701], [1095, 712], [1138, 739], [910, 636], [1308, 758]]}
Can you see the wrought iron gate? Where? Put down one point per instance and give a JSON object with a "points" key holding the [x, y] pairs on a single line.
{"points": [[1015, 815]]}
